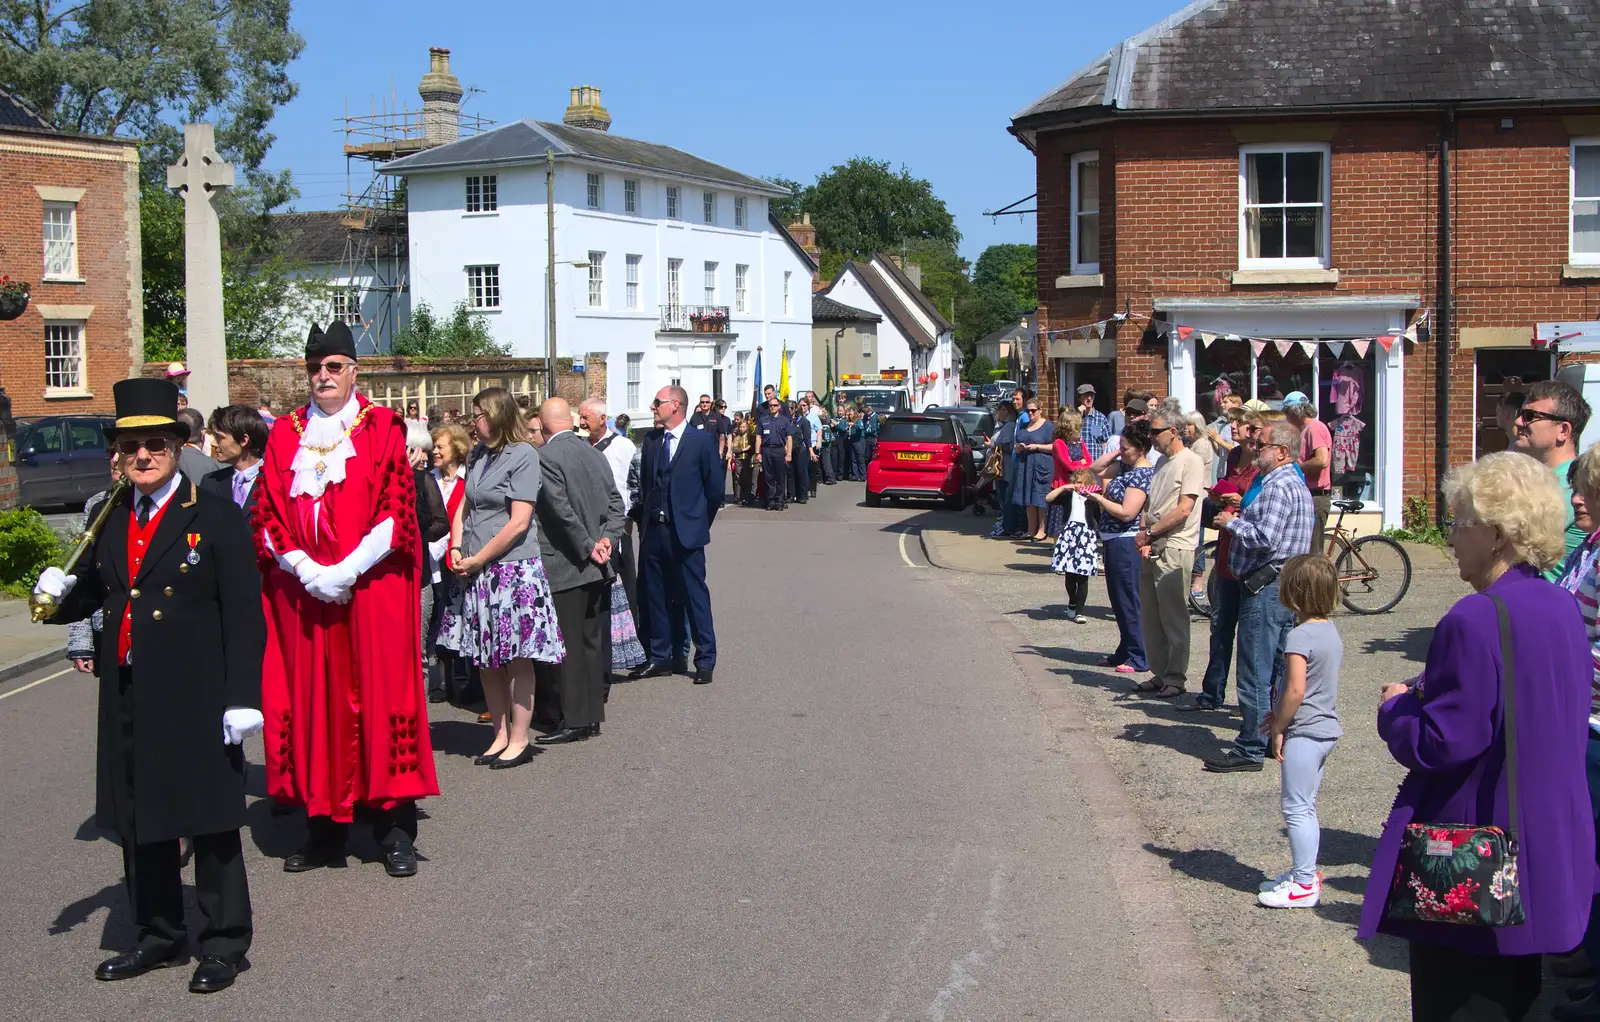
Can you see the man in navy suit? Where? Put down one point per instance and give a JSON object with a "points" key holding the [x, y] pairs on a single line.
{"points": [[680, 490]]}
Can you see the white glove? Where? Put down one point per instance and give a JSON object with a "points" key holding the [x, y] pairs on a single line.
{"points": [[239, 723], [55, 583], [306, 570], [333, 585]]}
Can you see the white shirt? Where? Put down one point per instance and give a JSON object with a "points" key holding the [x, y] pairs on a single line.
{"points": [[676, 432], [619, 455], [161, 496], [437, 548]]}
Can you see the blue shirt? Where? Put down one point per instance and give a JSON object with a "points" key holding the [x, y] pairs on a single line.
{"points": [[1112, 527], [776, 430], [1096, 431]]}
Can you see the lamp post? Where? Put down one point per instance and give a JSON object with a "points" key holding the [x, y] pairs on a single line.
{"points": [[550, 322]]}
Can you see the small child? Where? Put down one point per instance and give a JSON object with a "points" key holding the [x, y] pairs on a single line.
{"points": [[1304, 723], [1077, 552]]}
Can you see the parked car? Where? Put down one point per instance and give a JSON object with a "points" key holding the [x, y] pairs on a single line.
{"points": [[925, 456], [62, 459], [999, 390], [979, 426]]}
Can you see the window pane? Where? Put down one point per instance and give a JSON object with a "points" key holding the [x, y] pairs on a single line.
{"points": [[1089, 186], [1586, 227], [1348, 404], [1088, 238], [1586, 172], [1277, 375], [1304, 174], [1223, 363], [1266, 233], [1266, 177], [1303, 233]]}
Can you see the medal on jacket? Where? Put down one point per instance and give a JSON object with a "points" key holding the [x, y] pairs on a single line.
{"points": [[194, 541]]}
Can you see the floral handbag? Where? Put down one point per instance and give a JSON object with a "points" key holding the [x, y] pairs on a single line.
{"points": [[1459, 872]]}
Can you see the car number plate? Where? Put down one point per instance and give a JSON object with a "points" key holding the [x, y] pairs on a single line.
{"points": [[915, 456]]}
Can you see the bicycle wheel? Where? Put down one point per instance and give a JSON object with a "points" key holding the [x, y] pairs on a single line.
{"points": [[1203, 606], [1374, 574]]}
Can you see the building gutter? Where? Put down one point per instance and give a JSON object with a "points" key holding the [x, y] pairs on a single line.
{"points": [[1443, 311]]}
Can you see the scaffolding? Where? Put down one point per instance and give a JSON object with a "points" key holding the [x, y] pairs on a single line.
{"points": [[374, 267]]}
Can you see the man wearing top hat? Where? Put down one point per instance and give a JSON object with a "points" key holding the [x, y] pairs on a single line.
{"points": [[336, 530], [180, 677]]}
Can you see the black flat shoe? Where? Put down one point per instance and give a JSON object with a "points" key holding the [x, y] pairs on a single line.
{"points": [[438, 695], [212, 974], [702, 677], [1231, 762], [650, 671], [515, 761], [487, 758], [569, 734], [312, 857], [138, 962], [401, 859]]}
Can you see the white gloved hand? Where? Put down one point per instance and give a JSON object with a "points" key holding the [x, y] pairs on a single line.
{"points": [[55, 583], [307, 570], [239, 723], [333, 584]]}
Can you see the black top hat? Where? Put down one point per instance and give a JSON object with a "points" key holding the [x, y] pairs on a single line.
{"points": [[146, 404], [336, 340]]}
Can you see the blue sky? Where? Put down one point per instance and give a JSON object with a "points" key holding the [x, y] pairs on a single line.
{"points": [[764, 89]]}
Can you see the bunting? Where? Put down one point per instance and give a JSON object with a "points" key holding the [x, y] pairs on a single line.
{"points": [[1361, 347], [1337, 347], [1163, 328], [1257, 346], [1310, 348], [1283, 347]]}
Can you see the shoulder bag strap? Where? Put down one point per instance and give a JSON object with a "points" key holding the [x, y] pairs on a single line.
{"points": [[1508, 712]]}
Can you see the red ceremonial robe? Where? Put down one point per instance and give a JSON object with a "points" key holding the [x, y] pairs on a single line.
{"points": [[341, 688]]}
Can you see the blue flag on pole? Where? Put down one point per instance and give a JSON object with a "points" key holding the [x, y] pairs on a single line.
{"points": [[755, 396]]}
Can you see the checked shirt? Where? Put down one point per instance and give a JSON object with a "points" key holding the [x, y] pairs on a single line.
{"points": [[1275, 527], [1096, 431]]}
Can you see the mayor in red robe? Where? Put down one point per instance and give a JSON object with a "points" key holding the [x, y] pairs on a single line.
{"points": [[342, 691]]}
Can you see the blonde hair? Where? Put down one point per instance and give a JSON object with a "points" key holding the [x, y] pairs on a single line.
{"points": [[1585, 476], [456, 438], [1069, 425], [1310, 586], [1517, 495], [506, 425]]}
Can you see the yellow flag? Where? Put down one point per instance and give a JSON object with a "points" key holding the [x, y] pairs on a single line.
{"points": [[783, 376]]}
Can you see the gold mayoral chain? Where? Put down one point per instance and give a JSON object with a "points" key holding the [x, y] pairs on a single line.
{"points": [[322, 452]]}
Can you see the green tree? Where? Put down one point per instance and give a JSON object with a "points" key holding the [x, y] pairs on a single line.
{"points": [[461, 336], [788, 208], [863, 206], [977, 369], [1012, 268]]}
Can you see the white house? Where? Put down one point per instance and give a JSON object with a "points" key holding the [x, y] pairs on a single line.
{"points": [[668, 264], [358, 265], [913, 335]]}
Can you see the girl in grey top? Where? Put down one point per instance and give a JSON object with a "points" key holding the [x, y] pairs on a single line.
{"points": [[507, 618], [1304, 723]]}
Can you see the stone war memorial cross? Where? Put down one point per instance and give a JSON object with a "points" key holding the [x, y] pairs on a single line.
{"points": [[200, 176]]}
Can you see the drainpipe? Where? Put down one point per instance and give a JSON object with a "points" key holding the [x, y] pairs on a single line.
{"points": [[1443, 314]]}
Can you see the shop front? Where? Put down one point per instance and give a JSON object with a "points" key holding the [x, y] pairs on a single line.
{"points": [[1266, 348]]}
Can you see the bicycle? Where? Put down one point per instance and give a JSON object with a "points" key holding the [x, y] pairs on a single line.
{"points": [[1374, 571]]}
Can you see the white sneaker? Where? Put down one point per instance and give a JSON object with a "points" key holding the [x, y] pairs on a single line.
{"points": [[1268, 885], [1289, 894]]}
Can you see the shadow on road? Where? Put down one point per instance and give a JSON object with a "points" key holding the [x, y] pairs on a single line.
{"points": [[1411, 643], [118, 933], [465, 738], [1346, 848], [1212, 866], [1193, 740]]}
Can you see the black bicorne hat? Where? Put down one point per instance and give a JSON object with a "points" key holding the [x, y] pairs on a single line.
{"points": [[146, 404], [336, 340]]}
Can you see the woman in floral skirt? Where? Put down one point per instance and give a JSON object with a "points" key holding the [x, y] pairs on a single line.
{"points": [[507, 619]]}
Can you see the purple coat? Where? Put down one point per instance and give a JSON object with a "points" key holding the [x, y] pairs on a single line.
{"points": [[1449, 738]]}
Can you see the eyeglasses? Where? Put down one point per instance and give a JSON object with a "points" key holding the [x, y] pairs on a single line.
{"points": [[333, 368], [154, 445], [1163, 429], [1530, 416], [1033, 408], [658, 402]]}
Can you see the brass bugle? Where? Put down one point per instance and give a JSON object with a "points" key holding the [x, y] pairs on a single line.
{"points": [[41, 606]]}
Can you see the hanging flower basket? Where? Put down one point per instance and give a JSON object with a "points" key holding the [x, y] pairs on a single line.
{"points": [[13, 298]]}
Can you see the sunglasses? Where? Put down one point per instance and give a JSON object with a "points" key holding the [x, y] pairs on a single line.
{"points": [[1530, 416], [154, 445], [333, 368], [658, 402]]}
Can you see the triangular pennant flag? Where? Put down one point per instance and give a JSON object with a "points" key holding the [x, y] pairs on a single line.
{"points": [[1100, 330], [1283, 346], [1411, 333], [1337, 347], [1361, 346], [1387, 340], [1184, 332], [1162, 329], [1207, 338], [1257, 346], [1232, 337], [1310, 348]]}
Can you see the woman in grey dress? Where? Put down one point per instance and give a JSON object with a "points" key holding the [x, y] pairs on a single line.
{"points": [[507, 618]]}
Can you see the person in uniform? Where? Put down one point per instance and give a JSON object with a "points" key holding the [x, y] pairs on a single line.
{"points": [[800, 448], [173, 573], [777, 447], [336, 532]]}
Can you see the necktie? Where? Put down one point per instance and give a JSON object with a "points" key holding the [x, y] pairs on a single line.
{"points": [[147, 507], [241, 489], [666, 449]]}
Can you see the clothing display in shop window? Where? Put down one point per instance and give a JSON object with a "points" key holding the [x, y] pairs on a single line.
{"points": [[1346, 443], [1344, 392]]}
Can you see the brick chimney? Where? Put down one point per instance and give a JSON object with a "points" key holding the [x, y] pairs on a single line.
{"points": [[585, 110], [805, 235], [441, 100], [911, 270]]}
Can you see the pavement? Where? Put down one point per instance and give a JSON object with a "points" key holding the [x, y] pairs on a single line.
{"points": [[884, 808], [24, 645]]}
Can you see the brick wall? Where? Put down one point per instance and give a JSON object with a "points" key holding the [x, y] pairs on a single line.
{"points": [[108, 262], [1169, 206]]}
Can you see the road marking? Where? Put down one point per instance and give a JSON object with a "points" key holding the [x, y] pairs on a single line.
{"points": [[903, 555], [41, 681]]}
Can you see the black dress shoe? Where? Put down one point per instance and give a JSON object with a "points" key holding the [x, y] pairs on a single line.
{"points": [[212, 974], [438, 695], [569, 734], [703, 677], [515, 761], [310, 857], [487, 758], [1231, 762], [400, 859], [651, 670], [138, 962], [680, 667]]}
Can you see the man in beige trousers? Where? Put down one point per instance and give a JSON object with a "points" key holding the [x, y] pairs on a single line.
{"points": [[1167, 544]]}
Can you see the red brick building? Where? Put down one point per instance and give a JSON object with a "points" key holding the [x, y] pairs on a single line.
{"points": [[1322, 171], [69, 226]]}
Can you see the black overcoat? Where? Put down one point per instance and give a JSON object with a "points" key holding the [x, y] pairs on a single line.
{"points": [[198, 640]]}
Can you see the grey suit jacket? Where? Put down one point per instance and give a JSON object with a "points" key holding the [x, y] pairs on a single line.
{"points": [[578, 504]]}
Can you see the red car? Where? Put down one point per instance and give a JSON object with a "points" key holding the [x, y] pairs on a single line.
{"points": [[926, 456]]}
